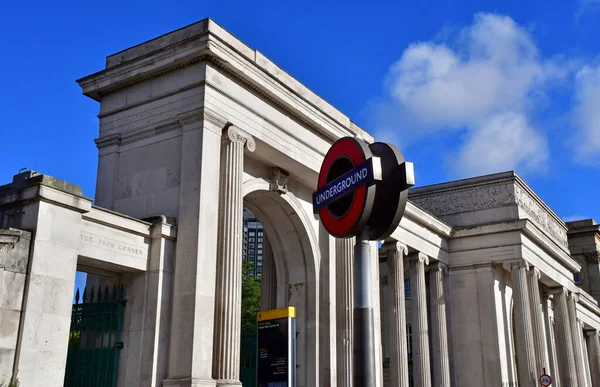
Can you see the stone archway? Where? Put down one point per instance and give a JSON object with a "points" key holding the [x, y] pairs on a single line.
{"points": [[295, 251]]}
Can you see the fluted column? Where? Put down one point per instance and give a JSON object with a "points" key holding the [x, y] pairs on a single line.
{"points": [[594, 354], [522, 311], [344, 251], [576, 337], [537, 322], [268, 279], [226, 354], [441, 362], [420, 329], [550, 341], [397, 313], [566, 357]]}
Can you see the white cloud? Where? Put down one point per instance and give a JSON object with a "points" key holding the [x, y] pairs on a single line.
{"points": [[505, 142], [487, 82], [586, 116]]}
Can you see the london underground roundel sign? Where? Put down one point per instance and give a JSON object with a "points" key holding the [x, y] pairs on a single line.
{"points": [[545, 380], [345, 190], [362, 188]]}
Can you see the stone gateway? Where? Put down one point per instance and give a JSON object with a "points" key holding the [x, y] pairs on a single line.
{"points": [[481, 284]]}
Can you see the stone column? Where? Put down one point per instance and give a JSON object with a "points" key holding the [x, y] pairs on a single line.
{"points": [[441, 362], [344, 251], [527, 373], [550, 341], [420, 330], [576, 337], [586, 357], [594, 355], [268, 280], [397, 313], [537, 322], [226, 354], [566, 357]]}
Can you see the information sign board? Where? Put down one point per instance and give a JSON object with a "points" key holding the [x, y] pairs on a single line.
{"points": [[277, 347]]}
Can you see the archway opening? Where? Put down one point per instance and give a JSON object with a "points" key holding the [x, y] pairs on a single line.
{"points": [[287, 240]]}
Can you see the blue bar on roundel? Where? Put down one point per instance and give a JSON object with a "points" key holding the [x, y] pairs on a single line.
{"points": [[348, 182]]}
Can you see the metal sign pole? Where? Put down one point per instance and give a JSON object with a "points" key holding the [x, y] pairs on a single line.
{"points": [[364, 332]]}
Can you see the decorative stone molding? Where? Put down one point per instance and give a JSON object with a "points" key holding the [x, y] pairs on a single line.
{"points": [[547, 220], [234, 134], [111, 139], [191, 117], [490, 195], [214, 118], [464, 199], [278, 180]]}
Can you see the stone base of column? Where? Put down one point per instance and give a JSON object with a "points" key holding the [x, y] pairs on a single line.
{"points": [[190, 382], [228, 383]]}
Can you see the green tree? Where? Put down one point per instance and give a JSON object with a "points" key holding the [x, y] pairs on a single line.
{"points": [[250, 297]]}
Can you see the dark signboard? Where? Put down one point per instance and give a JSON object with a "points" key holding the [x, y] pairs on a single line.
{"points": [[277, 347]]}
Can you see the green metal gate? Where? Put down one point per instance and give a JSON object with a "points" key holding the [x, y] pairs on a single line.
{"points": [[248, 361], [95, 338]]}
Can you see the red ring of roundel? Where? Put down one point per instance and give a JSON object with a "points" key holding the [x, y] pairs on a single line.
{"points": [[349, 148]]}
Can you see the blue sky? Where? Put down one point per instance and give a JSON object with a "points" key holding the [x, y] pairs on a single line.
{"points": [[463, 87]]}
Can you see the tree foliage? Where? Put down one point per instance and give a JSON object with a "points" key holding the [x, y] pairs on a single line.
{"points": [[250, 297]]}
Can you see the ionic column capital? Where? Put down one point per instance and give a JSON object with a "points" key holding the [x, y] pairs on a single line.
{"points": [[535, 272], [234, 134], [591, 332], [396, 247], [418, 257], [515, 264], [575, 297], [559, 290], [438, 266]]}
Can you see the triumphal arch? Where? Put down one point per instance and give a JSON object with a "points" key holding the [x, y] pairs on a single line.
{"points": [[480, 285]]}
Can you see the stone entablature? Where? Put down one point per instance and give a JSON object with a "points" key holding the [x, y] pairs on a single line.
{"points": [[457, 203], [207, 41]]}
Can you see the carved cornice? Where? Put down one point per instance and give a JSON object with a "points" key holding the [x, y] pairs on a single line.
{"points": [[234, 134], [574, 297], [278, 180], [515, 264]]}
